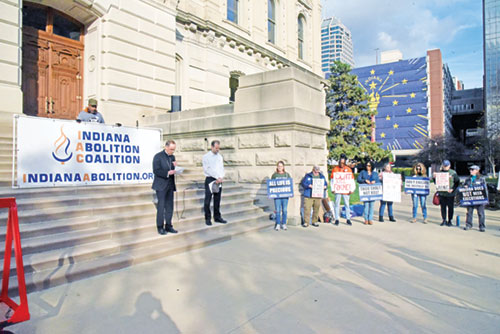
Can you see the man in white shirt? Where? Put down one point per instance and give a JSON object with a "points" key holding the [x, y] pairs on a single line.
{"points": [[213, 168]]}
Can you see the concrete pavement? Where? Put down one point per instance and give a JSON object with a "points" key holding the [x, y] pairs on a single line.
{"points": [[386, 278]]}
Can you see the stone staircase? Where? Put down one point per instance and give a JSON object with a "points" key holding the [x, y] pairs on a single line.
{"points": [[70, 233]]}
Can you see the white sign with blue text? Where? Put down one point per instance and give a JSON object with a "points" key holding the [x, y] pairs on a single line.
{"points": [[280, 188], [53, 153]]}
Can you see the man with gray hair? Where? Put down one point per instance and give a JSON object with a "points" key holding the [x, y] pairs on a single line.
{"points": [[311, 199], [213, 168]]}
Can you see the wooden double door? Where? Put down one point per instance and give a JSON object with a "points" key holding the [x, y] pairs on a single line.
{"points": [[52, 74]]}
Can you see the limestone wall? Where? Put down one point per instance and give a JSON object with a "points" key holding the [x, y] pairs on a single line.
{"points": [[10, 61], [278, 115]]}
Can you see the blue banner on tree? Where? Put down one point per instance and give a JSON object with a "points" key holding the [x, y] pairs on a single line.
{"points": [[280, 188], [417, 185], [370, 192], [474, 195]]}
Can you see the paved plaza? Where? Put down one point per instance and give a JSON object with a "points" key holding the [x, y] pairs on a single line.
{"points": [[386, 278]]}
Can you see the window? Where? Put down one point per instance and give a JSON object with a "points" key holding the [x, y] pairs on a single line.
{"points": [[232, 10], [271, 21], [301, 36]]}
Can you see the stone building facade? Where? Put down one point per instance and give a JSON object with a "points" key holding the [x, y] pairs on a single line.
{"points": [[132, 56]]}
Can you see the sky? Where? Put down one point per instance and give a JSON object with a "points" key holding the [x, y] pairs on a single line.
{"points": [[413, 27]]}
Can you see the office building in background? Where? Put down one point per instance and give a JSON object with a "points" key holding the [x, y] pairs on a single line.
{"points": [[336, 44], [491, 24]]}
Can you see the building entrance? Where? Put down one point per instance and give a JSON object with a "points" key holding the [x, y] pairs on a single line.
{"points": [[52, 63]]}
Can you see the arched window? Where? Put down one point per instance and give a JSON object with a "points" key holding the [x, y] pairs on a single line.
{"points": [[232, 10], [271, 21], [301, 36]]}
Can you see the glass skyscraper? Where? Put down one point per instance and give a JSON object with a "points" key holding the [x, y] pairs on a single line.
{"points": [[491, 17], [336, 44]]}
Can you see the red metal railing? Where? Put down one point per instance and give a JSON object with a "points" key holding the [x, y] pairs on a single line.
{"points": [[21, 310]]}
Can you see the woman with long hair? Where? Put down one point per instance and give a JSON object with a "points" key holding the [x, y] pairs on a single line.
{"points": [[280, 204], [419, 171], [368, 176]]}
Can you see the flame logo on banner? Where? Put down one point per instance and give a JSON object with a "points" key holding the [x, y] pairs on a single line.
{"points": [[62, 144]]}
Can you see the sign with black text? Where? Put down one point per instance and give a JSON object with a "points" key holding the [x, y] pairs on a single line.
{"points": [[370, 192], [442, 181], [417, 185]]}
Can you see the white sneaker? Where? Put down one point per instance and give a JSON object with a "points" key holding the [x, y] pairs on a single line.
{"points": [[283, 227], [277, 227]]}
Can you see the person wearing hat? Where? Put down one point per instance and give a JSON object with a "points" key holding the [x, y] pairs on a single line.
{"points": [[447, 198], [90, 113], [475, 179], [309, 201]]}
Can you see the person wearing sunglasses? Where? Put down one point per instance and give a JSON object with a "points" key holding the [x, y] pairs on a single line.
{"points": [[419, 171]]}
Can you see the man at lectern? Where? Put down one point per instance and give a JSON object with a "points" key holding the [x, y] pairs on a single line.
{"points": [[164, 184]]}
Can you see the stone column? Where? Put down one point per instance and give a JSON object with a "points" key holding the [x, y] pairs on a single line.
{"points": [[278, 115]]}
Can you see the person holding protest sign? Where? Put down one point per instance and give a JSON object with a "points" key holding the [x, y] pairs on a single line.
{"points": [[280, 204], [447, 194], [476, 180], [368, 176], [344, 173], [419, 171], [314, 184], [387, 169]]}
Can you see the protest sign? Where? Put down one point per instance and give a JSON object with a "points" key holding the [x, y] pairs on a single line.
{"points": [[473, 195], [318, 188], [280, 188], [391, 187], [442, 181], [370, 192], [417, 185], [343, 183]]}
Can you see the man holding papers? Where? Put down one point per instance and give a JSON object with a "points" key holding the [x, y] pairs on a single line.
{"points": [[164, 184]]}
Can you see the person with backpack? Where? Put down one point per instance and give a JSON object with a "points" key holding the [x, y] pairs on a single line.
{"points": [[447, 198]]}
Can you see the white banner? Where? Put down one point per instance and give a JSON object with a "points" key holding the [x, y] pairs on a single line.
{"points": [[392, 187], [442, 181], [53, 153]]}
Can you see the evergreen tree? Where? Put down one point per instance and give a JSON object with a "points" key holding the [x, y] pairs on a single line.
{"points": [[351, 122]]}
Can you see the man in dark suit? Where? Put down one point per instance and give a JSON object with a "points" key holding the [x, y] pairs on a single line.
{"points": [[164, 184]]}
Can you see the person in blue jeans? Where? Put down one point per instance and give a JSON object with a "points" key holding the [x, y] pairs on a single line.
{"points": [[387, 169], [419, 170], [280, 204], [368, 176]]}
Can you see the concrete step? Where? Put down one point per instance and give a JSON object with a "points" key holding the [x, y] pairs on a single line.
{"points": [[153, 247], [90, 234], [89, 210], [124, 196], [131, 235]]}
